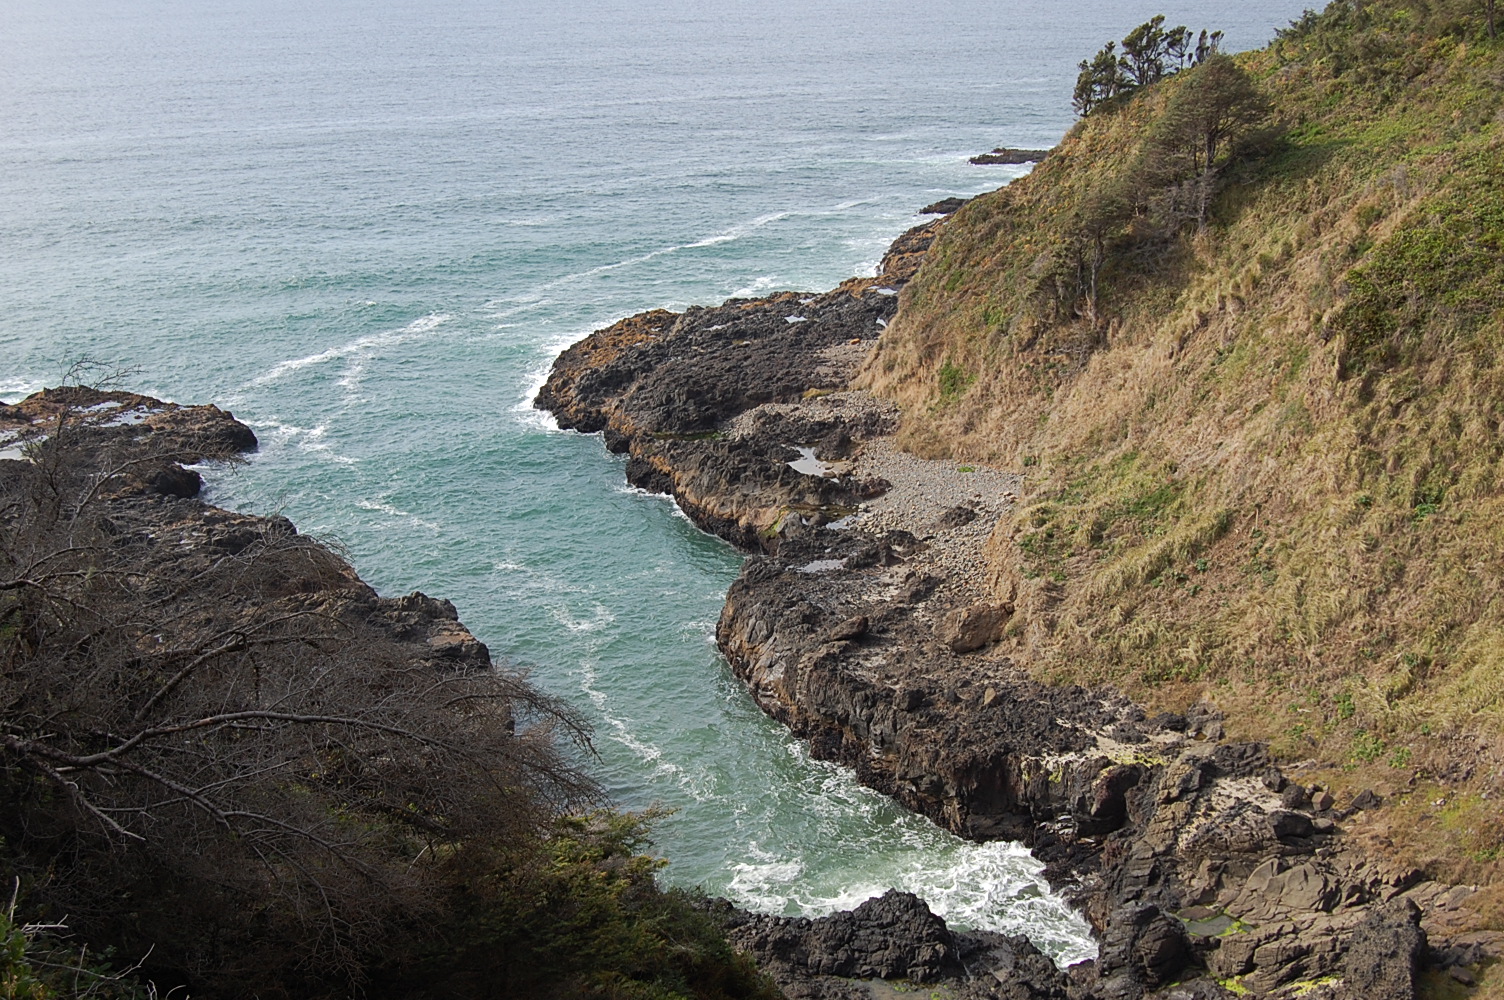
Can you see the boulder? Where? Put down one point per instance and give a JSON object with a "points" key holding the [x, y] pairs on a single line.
{"points": [[1384, 953], [851, 628], [893, 936], [965, 630]]}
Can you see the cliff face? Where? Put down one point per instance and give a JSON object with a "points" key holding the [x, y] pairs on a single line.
{"points": [[1260, 453]]}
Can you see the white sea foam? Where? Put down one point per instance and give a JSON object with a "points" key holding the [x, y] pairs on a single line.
{"points": [[360, 350], [19, 388], [637, 491], [523, 409], [535, 295], [763, 884], [381, 507], [763, 283], [599, 618], [864, 847]]}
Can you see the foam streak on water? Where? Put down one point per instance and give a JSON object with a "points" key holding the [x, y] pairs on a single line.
{"points": [[368, 229]]}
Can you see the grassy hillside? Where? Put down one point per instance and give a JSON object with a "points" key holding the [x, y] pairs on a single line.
{"points": [[1264, 461]]}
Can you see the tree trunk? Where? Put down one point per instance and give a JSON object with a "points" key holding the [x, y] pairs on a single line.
{"points": [[1098, 258], [1491, 31]]}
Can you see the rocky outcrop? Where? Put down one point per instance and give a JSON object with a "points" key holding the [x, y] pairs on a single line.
{"points": [[945, 206], [665, 388], [891, 937], [863, 622], [1003, 155], [136, 449]]}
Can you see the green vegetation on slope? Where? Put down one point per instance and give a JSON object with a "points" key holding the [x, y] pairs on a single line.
{"points": [[1263, 439]]}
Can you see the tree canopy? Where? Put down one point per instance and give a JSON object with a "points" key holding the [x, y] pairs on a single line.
{"points": [[1150, 53]]}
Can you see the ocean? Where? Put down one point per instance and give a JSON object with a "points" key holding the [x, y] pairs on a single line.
{"points": [[367, 227]]}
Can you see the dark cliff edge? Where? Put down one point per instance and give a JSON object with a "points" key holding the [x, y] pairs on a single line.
{"points": [[1205, 869]]}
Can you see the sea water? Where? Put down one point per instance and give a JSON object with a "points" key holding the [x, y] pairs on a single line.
{"points": [[367, 227]]}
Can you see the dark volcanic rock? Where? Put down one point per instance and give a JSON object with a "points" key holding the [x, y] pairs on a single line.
{"points": [[894, 936], [1005, 156], [665, 388], [945, 206], [150, 510], [145, 441], [1385, 952], [1194, 858], [1142, 949]]}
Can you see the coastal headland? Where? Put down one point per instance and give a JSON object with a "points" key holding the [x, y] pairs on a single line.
{"points": [[862, 621]]}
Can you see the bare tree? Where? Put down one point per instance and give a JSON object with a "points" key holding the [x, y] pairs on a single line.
{"points": [[211, 715]]}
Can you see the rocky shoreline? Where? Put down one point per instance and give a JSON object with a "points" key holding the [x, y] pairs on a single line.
{"points": [[154, 505], [865, 622]]}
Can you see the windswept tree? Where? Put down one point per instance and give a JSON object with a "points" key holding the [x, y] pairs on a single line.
{"points": [[1100, 80], [1150, 53], [1102, 217], [1215, 106]]}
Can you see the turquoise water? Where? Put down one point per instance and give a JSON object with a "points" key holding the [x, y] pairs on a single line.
{"points": [[368, 229]]}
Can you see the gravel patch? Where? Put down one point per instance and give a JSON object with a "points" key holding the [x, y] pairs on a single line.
{"points": [[952, 506]]}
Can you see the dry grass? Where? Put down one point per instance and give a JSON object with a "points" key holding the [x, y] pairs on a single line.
{"points": [[1271, 474]]}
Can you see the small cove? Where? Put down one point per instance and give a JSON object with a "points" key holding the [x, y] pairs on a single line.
{"points": [[368, 232]]}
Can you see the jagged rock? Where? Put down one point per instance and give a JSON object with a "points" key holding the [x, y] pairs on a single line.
{"points": [[1009, 967], [1204, 719], [147, 441], [1384, 953], [965, 630], [1141, 947], [1295, 797], [1172, 722], [893, 936], [1287, 824], [852, 628], [1366, 799], [1004, 155], [944, 206]]}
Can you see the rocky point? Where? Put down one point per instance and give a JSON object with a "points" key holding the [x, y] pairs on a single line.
{"points": [[863, 620]]}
